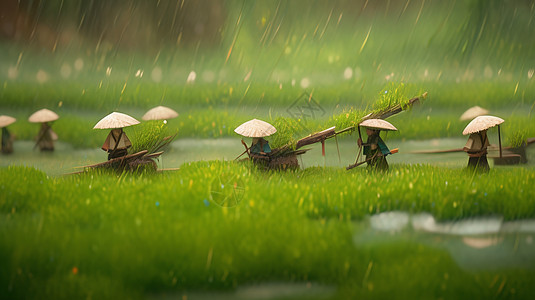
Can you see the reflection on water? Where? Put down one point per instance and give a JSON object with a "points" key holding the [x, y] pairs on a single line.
{"points": [[474, 244], [66, 159]]}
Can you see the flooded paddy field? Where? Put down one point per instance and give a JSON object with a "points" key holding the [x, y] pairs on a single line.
{"points": [[220, 229], [66, 159]]}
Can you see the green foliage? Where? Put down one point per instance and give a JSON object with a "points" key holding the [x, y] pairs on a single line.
{"points": [[151, 136], [133, 235], [394, 94], [348, 118], [287, 130]]}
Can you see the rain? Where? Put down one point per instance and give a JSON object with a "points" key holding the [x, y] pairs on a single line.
{"points": [[319, 201]]}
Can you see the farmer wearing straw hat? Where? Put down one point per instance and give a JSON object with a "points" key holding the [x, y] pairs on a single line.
{"points": [[7, 138], [46, 136], [476, 146], [256, 129], [117, 143], [375, 148]]}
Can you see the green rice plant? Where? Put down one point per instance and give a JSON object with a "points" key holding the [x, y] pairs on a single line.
{"points": [[152, 136], [288, 130], [348, 118], [72, 236], [517, 139]]}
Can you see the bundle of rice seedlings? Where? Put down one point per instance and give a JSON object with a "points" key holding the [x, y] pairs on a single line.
{"points": [[517, 138], [152, 136]]}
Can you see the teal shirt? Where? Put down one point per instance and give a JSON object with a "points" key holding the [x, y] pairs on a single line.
{"points": [[256, 147], [376, 139]]}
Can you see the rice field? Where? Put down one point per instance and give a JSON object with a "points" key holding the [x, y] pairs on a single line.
{"points": [[107, 235], [221, 229]]}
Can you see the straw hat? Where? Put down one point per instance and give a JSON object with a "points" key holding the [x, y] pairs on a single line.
{"points": [[255, 128], [160, 113], [473, 112], [378, 124], [116, 120], [482, 123], [43, 115], [6, 121]]}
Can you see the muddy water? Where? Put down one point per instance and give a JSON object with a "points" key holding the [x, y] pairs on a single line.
{"points": [[66, 159]]}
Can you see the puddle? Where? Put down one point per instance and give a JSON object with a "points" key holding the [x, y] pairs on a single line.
{"points": [[474, 244], [265, 291]]}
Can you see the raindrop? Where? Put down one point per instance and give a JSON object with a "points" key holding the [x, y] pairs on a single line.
{"points": [[247, 76], [348, 73], [41, 76], [287, 50], [191, 77], [139, 73], [108, 71], [305, 83], [79, 64]]}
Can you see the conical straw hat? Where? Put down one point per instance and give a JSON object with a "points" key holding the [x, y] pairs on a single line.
{"points": [[43, 115], [6, 121], [378, 124], [160, 113], [255, 128], [482, 123], [473, 112], [116, 120]]}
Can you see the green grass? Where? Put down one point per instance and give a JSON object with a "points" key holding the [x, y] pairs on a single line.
{"points": [[131, 235]]}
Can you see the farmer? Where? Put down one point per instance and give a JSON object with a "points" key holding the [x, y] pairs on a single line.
{"points": [[260, 146], [46, 137], [7, 138], [375, 148], [7, 141], [258, 130], [477, 143], [116, 144], [476, 147]]}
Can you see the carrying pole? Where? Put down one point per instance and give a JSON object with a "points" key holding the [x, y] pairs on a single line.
{"points": [[500, 141]]}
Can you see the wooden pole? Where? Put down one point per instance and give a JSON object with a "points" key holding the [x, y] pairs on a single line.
{"points": [[500, 141], [337, 149]]}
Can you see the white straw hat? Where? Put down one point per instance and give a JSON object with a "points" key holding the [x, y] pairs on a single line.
{"points": [[116, 120], [6, 121], [255, 128], [473, 112], [482, 123], [160, 113], [378, 124], [43, 115]]}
